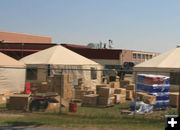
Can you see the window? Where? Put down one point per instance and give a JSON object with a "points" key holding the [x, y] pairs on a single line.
{"points": [[31, 73], [147, 57], [175, 78], [93, 73], [49, 70], [143, 56], [139, 56], [150, 56], [134, 56]]}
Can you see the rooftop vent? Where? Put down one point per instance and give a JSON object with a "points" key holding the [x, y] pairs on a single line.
{"points": [[178, 46]]}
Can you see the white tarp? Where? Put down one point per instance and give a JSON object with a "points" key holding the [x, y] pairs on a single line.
{"points": [[11, 79]]}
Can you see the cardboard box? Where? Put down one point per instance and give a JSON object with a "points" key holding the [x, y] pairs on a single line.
{"points": [[119, 98], [129, 94], [130, 87], [3, 99], [174, 99], [53, 106], [149, 99], [106, 92], [120, 91], [80, 81], [100, 86], [106, 101], [140, 95], [79, 94], [90, 100], [124, 83], [114, 85], [18, 102]]}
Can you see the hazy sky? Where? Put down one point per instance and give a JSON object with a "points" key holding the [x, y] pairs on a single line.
{"points": [[149, 25]]}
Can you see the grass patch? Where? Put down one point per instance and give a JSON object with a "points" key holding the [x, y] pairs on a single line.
{"points": [[100, 118]]}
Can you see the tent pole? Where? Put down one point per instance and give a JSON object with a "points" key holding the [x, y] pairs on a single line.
{"points": [[135, 80], [61, 85]]}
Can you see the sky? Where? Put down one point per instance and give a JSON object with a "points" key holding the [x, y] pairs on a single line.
{"points": [[143, 25]]}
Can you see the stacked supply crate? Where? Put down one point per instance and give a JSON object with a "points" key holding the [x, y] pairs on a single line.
{"points": [[106, 96], [155, 85]]}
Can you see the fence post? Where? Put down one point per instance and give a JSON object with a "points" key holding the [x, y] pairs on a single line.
{"points": [[179, 101], [61, 85], [135, 82]]}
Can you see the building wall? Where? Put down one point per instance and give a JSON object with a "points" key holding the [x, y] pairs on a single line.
{"points": [[23, 38], [107, 62], [137, 56]]}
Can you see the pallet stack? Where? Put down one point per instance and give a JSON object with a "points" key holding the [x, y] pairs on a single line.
{"points": [[154, 85], [18, 102], [106, 96], [90, 100], [81, 90], [53, 84], [130, 90]]}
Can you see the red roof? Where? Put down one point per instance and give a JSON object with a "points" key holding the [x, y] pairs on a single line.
{"points": [[94, 53]]}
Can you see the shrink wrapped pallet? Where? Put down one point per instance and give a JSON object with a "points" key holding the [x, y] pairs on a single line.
{"points": [[155, 85]]}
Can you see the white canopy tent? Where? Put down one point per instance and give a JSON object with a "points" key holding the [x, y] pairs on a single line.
{"points": [[61, 57], [165, 61], [168, 61], [12, 79]]}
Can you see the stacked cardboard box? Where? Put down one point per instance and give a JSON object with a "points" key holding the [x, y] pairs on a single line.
{"points": [[79, 94], [130, 87], [106, 92], [100, 86], [124, 83], [114, 85], [106, 96], [174, 99], [129, 94], [146, 98], [120, 91], [18, 102], [90, 100], [81, 90], [67, 79], [119, 98]]}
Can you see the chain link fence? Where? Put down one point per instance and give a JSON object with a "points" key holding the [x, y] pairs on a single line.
{"points": [[36, 88]]}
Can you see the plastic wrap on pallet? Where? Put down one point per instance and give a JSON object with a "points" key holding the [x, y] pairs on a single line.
{"points": [[152, 79], [156, 85], [161, 104], [141, 107], [155, 88]]}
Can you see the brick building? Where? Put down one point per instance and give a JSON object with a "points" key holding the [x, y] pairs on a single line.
{"points": [[111, 58], [19, 45], [12, 37]]}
